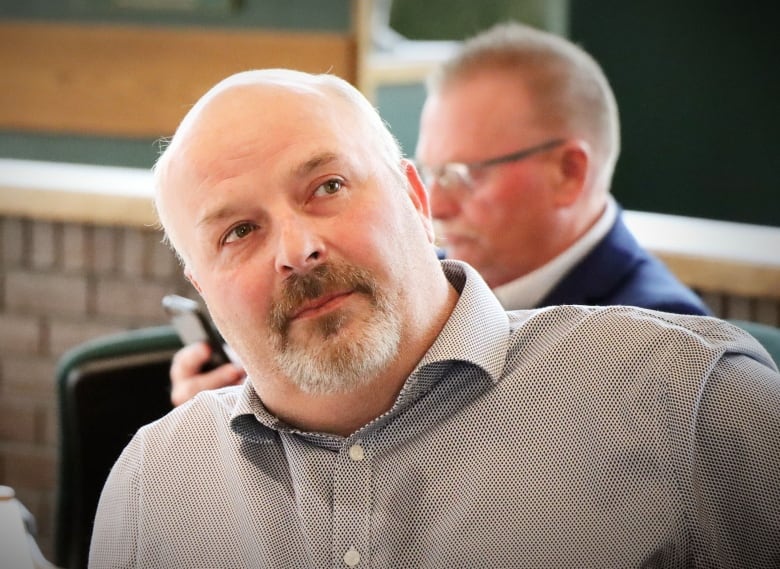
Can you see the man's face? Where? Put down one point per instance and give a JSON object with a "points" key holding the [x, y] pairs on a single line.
{"points": [[500, 224], [300, 240]]}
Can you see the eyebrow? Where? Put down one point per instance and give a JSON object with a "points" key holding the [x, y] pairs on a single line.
{"points": [[300, 171], [313, 163], [215, 215]]}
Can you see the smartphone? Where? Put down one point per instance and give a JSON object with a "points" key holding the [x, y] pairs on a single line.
{"points": [[193, 325]]}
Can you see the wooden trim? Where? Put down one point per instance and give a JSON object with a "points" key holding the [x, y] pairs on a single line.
{"points": [[76, 193], [710, 255], [139, 80], [721, 276]]}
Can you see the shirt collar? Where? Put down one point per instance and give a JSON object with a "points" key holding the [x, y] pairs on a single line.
{"points": [[528, 290], [476, 333]]}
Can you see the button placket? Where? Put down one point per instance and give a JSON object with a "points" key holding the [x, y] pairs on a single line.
{"points": [[352, 503]]}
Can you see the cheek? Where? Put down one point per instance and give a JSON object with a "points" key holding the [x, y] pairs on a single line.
{"points": [[518, 198], [488, 213], [237, 298]]}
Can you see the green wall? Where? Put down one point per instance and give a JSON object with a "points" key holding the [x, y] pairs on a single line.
{"points": [[698, 85]]}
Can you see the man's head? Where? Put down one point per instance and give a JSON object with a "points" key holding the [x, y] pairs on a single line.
{"points": [[510, 89], [301, 226]]}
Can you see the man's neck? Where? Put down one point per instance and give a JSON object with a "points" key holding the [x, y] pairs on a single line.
{"points": [[344, 413]]}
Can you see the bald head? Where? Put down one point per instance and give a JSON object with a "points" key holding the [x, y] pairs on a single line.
{"points": [[265, 99]]}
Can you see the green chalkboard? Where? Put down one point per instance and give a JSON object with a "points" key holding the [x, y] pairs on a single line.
{"points": [[698, 85]]}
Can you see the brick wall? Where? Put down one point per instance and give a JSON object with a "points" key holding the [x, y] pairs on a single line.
{"points": [[62, 284]]}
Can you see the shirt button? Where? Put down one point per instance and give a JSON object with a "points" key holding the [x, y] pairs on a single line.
{"points": [[352, 557], [357, 453]]}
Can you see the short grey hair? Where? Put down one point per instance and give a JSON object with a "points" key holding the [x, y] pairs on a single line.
{"points": [[569, 88]]}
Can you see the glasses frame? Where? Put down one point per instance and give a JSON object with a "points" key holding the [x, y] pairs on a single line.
{"points": [[452, 175]]}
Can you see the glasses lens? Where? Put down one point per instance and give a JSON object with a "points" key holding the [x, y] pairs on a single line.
{"points": [[455, 176], [428, 176], [452, 176]]}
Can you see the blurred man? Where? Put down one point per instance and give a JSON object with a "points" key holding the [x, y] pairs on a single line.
{"points": [[518, 142]]}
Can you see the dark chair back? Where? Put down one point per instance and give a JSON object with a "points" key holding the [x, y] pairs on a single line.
{"points": [[767, 335], [107, 388]]}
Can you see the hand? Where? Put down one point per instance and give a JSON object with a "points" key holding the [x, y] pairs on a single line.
{"points": [[187, 380]]}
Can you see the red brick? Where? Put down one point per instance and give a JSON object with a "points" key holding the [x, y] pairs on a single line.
{"points": [[137, 299], [739, 307], [45, 293], [65, 334], [28, 377], [144, 254], [30, 467], [47, 427], [75, 248], [161, 261], [716, 302], [18, 420], [46, 240], [42, 505], [134, 246], [20, 334], [767, 311], [12, 240], [105, 250]]}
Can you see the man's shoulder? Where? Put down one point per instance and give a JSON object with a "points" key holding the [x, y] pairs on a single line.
{"points": [[207, 411], [621, 332], [620, 271]]}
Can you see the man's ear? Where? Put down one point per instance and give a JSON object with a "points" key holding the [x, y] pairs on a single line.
{"points": [[419, 196], [572, 171], [190, 277]]}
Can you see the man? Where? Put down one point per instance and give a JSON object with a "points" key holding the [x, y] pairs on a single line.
{"points": [[519, 137], [395, 415]]}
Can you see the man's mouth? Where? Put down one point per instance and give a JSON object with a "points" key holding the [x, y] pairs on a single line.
{"points": [[455, 239], [320, 305]]}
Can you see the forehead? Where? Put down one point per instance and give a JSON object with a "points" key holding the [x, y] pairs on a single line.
{"points": [[482, 109], [248, 135], [263, 130], [490, 96], [266, 119]]}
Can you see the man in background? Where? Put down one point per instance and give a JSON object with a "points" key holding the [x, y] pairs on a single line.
{"points": [[519, 137]]}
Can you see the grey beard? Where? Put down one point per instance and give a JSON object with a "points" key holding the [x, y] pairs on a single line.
{"points": [[340, 365], [328, 363]]}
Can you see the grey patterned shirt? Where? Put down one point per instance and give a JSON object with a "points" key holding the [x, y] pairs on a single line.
{"points": [[562, 437]]}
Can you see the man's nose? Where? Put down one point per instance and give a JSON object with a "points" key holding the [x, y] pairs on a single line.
{"points": [[299, 248], [444, 205]]}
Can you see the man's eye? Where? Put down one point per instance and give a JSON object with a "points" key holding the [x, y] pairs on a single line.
{"points": [[330, 187], [239, 232]]}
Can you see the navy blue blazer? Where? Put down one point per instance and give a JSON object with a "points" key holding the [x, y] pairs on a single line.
{"points": [[619, 271]]}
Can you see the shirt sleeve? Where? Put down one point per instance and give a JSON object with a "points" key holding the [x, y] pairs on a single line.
{"points": [[115, 532], [736, 464]]}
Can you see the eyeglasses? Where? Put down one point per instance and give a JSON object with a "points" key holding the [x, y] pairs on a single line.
{"points": [[455, 176]]}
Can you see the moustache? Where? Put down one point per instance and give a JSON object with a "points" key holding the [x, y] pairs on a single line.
{"points": [[326, 278]]}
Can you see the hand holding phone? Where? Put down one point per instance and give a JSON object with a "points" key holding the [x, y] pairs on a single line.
{"points": [[193, 325]]}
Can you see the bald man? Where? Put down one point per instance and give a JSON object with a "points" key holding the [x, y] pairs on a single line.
{"points": [[395, 415]]}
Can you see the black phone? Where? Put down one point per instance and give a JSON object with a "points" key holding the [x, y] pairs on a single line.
{"points": [[193, 325]]}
